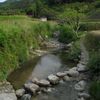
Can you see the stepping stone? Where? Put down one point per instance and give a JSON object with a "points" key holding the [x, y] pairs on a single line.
{"points": [[53, 79]]}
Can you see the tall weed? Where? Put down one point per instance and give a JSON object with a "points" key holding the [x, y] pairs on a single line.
{"points": [[94, 65], [94, 90]]}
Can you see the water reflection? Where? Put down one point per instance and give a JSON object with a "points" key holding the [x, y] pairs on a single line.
{"points": [[48, 64]]}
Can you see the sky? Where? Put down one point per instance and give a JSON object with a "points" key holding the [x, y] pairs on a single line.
{"points": [[2, 0]]}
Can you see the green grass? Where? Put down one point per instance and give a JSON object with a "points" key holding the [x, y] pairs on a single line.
{"points": [[94, 66], [94, 90], [75, 51], [92, 43], [16, 17], [17, 35]]}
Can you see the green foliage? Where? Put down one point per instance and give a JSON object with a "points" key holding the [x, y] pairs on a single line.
{"points": [[57, 27], [66, 35], [3, 75], [94, 90], [96, 4], [75, 52], [22, 53], [16, 39], [31, 9], [71, 18], [1, 12], [94, 65], [35, 9]]}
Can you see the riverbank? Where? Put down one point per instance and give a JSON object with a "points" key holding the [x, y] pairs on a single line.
{"points": [[7, 89], [76, 78], [19, 36], [92, 44], [83, 61]]}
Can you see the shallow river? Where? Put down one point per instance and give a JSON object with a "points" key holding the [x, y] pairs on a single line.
{"points": [[40, 67]]}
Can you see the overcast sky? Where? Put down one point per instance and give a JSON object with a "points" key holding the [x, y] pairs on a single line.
{"points": [[2, 0]]}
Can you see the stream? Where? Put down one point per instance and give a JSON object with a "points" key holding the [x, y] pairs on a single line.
{"points": [[56, 60]]}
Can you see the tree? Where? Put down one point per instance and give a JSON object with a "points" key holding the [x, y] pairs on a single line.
{"points": [[71, 18], [31, 9], [35, 9]]}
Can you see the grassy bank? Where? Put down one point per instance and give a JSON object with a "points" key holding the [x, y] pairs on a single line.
{"points": [[92, 44], [18, 36]]}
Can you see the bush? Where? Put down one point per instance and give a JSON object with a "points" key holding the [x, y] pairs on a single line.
{"points": [[94, 90], [75, 52], [66, 35], [94, 65]]}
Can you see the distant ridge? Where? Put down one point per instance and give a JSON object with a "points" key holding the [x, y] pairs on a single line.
{"points": [[3, 3]]}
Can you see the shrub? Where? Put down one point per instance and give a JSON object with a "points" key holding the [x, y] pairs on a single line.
{"points": [[75, 52], [22, 54], [94, 90], [94, 65], [66, 35]]}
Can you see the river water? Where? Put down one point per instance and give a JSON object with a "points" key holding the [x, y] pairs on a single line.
{"points": [[56, 60]]}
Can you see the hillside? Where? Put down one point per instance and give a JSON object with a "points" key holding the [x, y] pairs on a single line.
{"points": [[3, 3], [95, 16]]}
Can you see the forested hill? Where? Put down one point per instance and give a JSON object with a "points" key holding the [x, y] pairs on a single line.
{"points": [[3, 3], [48, 8], [49, 2]]}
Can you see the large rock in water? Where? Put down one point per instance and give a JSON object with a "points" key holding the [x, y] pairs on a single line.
{"points": [[74, 68], [69, 45], [6, 91], [8, 96], [32, 88], [61, 74], [20, 92], [35, 80], [80, 86], [73, 73], [43, 82], [67, 78], [26, 97], [80, 98], [84, 95], [81, 67], [53, 79]]}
